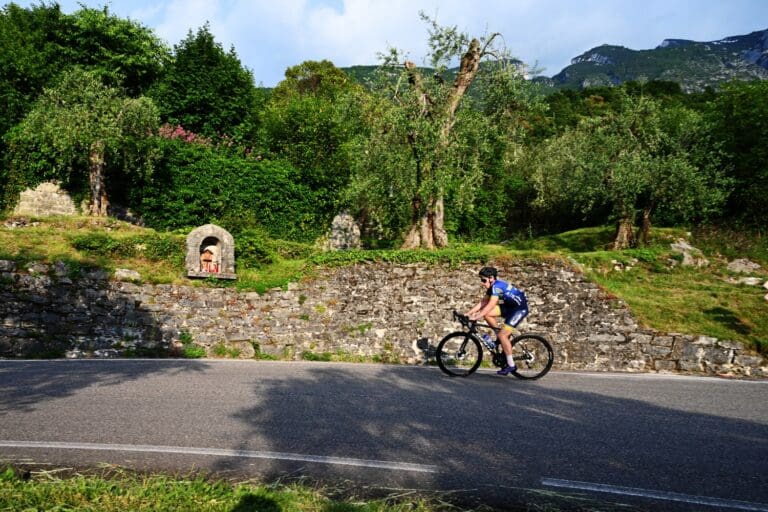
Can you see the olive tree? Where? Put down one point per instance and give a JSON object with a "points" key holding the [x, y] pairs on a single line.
{"points": [[413, 153], [636, 159], [81, 127]]}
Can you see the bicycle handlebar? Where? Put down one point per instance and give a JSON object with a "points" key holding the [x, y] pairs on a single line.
{"points": [[470, 325], [464, 320]]}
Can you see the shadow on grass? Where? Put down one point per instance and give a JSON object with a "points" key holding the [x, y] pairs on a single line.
{"points": [[728, 318], [254, 503]]}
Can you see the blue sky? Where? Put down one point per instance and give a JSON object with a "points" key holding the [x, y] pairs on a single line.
{"points": [[270, 35]]}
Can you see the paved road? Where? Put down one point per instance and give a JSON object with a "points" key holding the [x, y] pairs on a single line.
{"points": [[652, 442]]}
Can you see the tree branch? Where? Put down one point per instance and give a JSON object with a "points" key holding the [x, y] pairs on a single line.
{"points": [[414, 77]]}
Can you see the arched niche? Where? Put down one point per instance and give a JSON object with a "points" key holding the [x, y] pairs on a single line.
{"points": [[210, 253]]}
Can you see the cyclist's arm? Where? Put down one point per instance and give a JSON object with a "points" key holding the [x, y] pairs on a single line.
{"points": [[484, 307]]}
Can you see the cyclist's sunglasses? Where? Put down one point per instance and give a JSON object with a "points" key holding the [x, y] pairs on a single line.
{"points": [[485, 279]]}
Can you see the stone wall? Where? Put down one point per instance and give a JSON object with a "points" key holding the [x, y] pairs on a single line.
{"points": [[378, 311], [46, 199]]}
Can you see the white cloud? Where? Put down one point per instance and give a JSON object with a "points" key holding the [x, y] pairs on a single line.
{"points": [[270, 36]]}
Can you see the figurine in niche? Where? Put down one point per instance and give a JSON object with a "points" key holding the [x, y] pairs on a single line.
{"points": [[210, 253], [209, 261]]}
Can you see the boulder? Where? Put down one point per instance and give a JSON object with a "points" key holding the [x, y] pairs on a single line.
{"points": [[692, 257], [743, 266]]}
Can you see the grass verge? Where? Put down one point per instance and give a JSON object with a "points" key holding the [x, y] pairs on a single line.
{"points": [[115, 489]]}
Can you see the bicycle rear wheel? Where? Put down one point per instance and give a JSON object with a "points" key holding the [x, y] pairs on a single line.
{"points": [[533, 356], [459, 354]]}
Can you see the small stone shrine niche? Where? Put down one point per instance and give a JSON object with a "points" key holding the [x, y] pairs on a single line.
{"points": [[211, 253]]}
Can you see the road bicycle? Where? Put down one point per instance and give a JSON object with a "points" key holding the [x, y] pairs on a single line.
{"points": [[460, 353]]}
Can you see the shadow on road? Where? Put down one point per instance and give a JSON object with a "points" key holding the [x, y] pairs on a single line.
{"points": [[494, 438], [22, 389]]}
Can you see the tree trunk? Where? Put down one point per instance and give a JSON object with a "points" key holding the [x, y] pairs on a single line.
{"points": [[428, 228], [645, 228], [625, 235], [99, 202], [428, 231], [438, 230]]}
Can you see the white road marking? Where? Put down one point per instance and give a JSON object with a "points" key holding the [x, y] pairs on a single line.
{"points": [[658, 495], [320, 459]]}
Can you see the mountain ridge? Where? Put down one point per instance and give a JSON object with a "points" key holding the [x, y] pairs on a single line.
{"points": [[695, 65]]}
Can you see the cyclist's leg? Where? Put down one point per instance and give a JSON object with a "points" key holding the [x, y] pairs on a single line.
{"points": [[490, 318], [513, 315]]}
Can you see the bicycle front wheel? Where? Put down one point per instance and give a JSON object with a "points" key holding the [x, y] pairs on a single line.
{"points": [[533, 356], [459, 354]]}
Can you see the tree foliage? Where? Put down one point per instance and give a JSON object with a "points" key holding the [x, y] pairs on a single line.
{"points": [[125, 53], [464, 145], [637, 159], [413, 156], [739, 117], [79, 130], [206, 89], [196, 183], [40, 42], [309, 120]]}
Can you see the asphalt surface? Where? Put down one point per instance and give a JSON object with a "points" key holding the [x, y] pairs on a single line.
{"points": [[588, 441]]}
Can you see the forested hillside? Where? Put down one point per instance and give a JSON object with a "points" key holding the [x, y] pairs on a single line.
{"points": [[182, 136]]}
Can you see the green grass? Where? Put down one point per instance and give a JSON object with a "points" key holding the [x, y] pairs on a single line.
{"points": [[697, 301], [691, 301], [114, 489]]}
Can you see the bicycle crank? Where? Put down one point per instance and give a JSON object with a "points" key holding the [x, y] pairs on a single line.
{"points": [[499, 359]]}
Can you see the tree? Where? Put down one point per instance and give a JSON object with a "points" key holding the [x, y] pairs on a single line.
{"points": [[205, 89], [739, 117], [412, 156], [308, 121], [636, 159], [125, 53], [38, 43], [513, 107], [84, 126]]}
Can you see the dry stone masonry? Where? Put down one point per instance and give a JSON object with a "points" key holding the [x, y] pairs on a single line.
{"points": [[46, 199], [381, 311]]}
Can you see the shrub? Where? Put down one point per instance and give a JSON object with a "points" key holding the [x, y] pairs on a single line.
{"points": [[253, 249], [160, 247], [95, 243], [153, 246], [195, 185]]}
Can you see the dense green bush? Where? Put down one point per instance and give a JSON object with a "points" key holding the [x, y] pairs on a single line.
{"points": [[100, 244], [196, 184], [254, 249], [161, 246]]}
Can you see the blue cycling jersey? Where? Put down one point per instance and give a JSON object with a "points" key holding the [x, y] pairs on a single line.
{"points": [[508, 294], [513, 304]]}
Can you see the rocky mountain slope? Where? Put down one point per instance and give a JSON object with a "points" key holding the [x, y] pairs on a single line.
{"points": [[695, 65]]}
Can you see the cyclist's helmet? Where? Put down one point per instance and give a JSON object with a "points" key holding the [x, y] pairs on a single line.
{"points": [[489, 272]]}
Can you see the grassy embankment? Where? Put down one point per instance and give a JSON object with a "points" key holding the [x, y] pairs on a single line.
{"points": [[661, 294]]}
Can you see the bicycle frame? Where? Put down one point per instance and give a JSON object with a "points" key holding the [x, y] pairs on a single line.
{"points": [[472, 325]]}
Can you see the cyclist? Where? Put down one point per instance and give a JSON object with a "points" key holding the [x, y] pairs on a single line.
{"points": [[501, 299]]}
